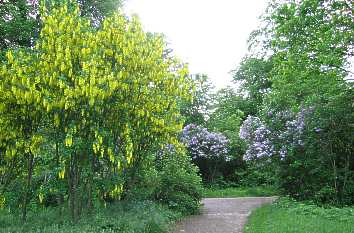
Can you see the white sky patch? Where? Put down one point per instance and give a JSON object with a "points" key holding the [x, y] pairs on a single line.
{"points": [[209, 35]]}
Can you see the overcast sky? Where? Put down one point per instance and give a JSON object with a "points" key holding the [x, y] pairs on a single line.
{"points": [[210, 35]]}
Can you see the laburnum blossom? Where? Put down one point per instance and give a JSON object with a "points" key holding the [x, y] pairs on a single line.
{"points": [[202, 143]]}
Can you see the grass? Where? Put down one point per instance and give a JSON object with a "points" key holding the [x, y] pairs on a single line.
{"points": [[286, 216], [240, 192], [139, 217]]}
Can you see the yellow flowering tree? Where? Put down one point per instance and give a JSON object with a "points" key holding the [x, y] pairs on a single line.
{"points": [[108, 97], [20, 120]]}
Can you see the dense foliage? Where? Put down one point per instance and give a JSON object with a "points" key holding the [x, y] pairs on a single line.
{"points": [[253, 76], [18, 23], [181, 187]]}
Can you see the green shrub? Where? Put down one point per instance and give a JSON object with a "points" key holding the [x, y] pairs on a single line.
{"points": [[309, 208], [181, 186], [171, 180], [147, 181]]}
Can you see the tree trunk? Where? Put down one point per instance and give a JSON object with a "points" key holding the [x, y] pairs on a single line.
{"points": [[73, 189], [71, 200], [90, 186], [28, 186], [335, 175], [212, 171], [60, 198]]}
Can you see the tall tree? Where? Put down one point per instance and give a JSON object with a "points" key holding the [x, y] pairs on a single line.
{"points": [[196, 111], [229, 110], [18, 23], [20, 20], [253, 76], [227, 117], [97, 10], [312, 43]]}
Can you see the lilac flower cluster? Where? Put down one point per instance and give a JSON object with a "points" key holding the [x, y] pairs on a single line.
{"points": [[293, 136], [258, 138], [261, 140], [202, 143]]}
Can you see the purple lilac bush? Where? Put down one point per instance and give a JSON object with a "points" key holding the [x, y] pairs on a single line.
{"points": [[262, 140], [202, 143], [258, 138], [294, 133]]}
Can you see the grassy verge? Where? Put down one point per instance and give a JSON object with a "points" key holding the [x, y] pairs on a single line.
{"points": [[286, 216], [141, 217], [240, 192]]}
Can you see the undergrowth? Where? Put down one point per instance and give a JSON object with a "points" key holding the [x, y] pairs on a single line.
{"points": [[288, 216], [138, 217], [261, 191]]}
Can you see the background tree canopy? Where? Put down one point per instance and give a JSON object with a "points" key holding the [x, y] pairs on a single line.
{"points": [[293, 89], [307, 90], [20, 21]]}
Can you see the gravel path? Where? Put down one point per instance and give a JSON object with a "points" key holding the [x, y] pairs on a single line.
{"points": [[221, 215]]}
